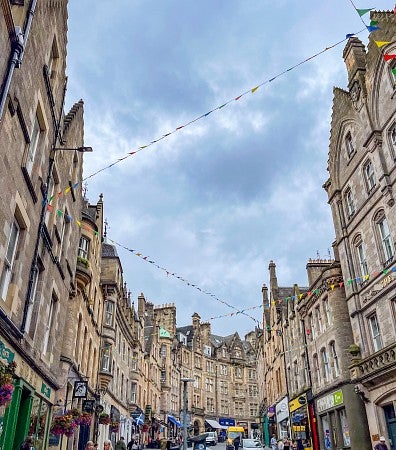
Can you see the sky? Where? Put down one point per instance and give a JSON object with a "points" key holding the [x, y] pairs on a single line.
{"points": [[215, 201]]}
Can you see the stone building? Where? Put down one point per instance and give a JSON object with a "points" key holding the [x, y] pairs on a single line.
{"points": [[324, 408], [39, 203], [361, 191]]}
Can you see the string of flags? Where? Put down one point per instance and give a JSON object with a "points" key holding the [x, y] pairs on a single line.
{"points": [[187, 282], [203, 116], [374, 26]]}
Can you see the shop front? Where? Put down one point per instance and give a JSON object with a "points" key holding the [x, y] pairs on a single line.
{"points": [[282, 418], [301, 429], [341, 420], [27, 408]]}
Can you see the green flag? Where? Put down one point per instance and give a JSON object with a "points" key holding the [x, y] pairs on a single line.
{"points": [[362, 12]]}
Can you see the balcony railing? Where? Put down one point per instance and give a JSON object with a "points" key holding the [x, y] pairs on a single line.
{"points": [[378, 362]]}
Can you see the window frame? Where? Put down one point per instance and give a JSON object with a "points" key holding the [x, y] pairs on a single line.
{"points": [[369, 176], [387, 245], [9, 258], [83, 247], [349, 200], [334, 355], [376, 339], [350, 148]]}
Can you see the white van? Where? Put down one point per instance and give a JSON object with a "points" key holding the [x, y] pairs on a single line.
{"points": [[211, 438]]}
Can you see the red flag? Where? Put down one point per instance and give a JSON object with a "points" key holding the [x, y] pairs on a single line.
{"points": [[388, 57]]}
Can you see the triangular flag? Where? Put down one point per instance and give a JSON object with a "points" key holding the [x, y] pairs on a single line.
{"points": [[349, 35], [67, 190], [49, 207], [332, 287], [394, 72], [131, 153], [371, 29], [59, 213], [381, 43], [362, 12], [254, 89], [373, 22], [388, 57]]}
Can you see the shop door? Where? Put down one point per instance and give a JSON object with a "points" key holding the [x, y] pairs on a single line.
{"points": [[22, 418], [390, 417]]}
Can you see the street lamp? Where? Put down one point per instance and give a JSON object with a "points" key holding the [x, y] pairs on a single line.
{"points": [[185, 381], [82, 149]]}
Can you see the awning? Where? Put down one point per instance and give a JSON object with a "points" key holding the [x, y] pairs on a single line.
{"points": [[174, 421], [215, 424]]}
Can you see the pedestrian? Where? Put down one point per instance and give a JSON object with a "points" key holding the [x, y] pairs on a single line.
{"points": [[89, 445], [107, 445], [286, 443], [281, 445], [120, 445], [163, 444], [237, 441], [274, 443], [96, 446], [27, 444], [131, 444], [381, 445]]}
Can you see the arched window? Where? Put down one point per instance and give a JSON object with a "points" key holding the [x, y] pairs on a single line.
{"points": [[325, 364], [334, 356], [392, 138], [360, 254]]}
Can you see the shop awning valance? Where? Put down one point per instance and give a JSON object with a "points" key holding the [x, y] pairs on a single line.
{"points": [[215, 424], [174, 421]]}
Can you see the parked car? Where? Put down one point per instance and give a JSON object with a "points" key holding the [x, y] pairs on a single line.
{"points": [[250, 444], [211, 438]]}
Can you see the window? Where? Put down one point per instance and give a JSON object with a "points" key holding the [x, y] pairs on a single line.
{"points": [[53, 60], [361, 256], [64, 236], [335, 359], [350, 203], [325, 365], [386, 240], [34, 141], [326, 310], [375, 333], [134, 362], [9, 259], [319, 319], [106, 357], [49, 324], [369, 175], [207, 350], [163, 351], [349, 145], [393, 141], [83, 247], [109, 313]]}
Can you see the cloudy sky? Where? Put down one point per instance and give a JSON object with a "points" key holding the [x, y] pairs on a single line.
{"points": [[215, 201]]}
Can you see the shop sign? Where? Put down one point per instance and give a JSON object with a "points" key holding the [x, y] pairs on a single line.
{"points": [[46, 390], [226, 421], [297, 402], [6, 353], [282, 410], [329, 401]]}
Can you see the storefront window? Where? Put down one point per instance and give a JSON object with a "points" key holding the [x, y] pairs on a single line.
{"points": [[326, 433], [38, 422], [300, 426], [345, 428]]}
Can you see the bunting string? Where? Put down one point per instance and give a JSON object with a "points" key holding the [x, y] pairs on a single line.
{"points": [[202, 116], [188, 283]]}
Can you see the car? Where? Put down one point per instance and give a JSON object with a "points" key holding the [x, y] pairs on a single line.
{"points": [[250, 444], [211, 438]]}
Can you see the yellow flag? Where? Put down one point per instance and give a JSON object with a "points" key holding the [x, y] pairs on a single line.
{"points": [[255, 89], [381, 43]]}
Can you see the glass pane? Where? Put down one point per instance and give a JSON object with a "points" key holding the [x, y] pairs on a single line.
{"points": [[345, 428]]}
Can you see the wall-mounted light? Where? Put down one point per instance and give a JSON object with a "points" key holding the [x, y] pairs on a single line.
{"points": [[78, 149], [361, 394]]}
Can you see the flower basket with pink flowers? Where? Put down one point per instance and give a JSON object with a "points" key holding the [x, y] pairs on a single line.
{"points": [[6, 382], [64, 424], [104, 419], [84, 419], [114, 426]]}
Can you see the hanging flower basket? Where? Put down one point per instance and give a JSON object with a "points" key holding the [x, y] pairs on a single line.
{"points": [[64, 424], [6, 386], [104, 419], [115, 427], [84, 419]]}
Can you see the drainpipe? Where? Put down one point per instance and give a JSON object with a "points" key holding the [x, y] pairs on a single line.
{"points": [[18, 45]]}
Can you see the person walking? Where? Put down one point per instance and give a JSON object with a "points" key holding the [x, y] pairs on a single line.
{"points": [[274, 443], [237, 441], [107, 445], [120, 445], [381, 445], [89, 445]]}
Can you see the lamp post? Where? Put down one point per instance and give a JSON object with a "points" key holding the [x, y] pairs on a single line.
{"points": [[185, 381]]}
